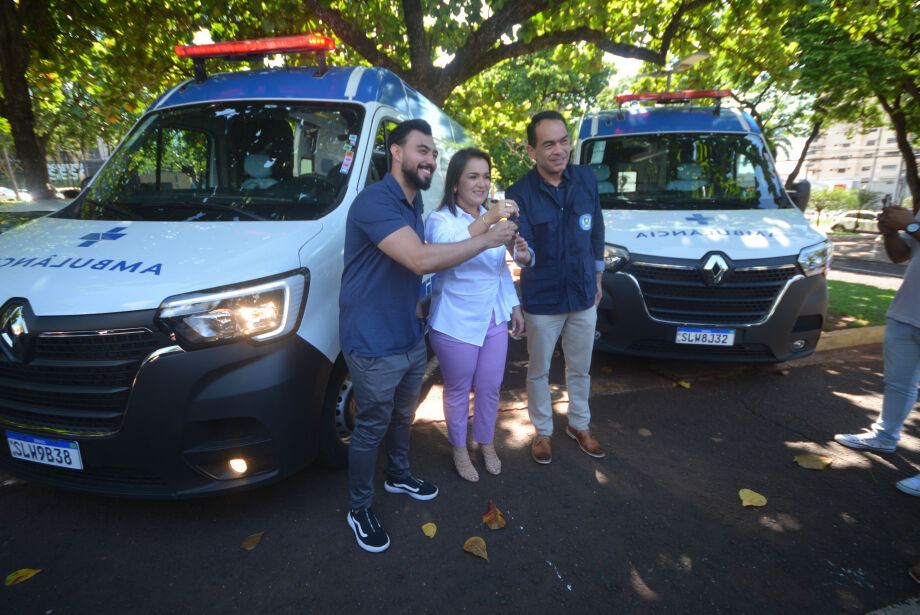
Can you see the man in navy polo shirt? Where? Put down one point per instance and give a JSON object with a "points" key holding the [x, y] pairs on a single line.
{"points": [[380, 332], [561, 219]]}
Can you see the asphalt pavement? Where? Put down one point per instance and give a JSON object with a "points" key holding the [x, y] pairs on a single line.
{"points": [[862, 259], [655, 527]]}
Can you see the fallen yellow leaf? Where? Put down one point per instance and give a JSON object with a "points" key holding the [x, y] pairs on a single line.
{"points": [[751, 498], [782, 372], [21, 575], [812, 461], [681, 383], [494, 518], [429, 529], [251, 542], [476, 546]]}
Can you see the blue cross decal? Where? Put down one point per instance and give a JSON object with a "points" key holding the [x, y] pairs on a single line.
{"points": [[700, 218], [111, 234]]}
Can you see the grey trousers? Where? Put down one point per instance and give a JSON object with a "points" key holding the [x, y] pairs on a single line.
{"points": [[543, 331], [386, 391]]}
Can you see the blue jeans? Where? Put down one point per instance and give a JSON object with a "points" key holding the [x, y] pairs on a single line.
{"points": [[386, 391], [902, 375]]}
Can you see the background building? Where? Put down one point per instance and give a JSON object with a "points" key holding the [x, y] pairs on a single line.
{"points": [[851, 157]]}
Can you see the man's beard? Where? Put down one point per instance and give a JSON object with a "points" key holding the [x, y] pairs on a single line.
{"points": [[415, 179]]}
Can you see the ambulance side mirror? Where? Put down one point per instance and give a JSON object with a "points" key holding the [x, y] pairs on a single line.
{"points": [[800, 192]]}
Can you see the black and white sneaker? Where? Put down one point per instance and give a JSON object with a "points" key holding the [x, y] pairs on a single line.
{"points": [[411, 486], [368, 531]]}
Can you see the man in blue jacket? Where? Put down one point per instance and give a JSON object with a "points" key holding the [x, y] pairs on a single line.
{"points": [[561, 219]]}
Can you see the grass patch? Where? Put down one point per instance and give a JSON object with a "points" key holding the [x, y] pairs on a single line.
{"points": [[858, 305]]}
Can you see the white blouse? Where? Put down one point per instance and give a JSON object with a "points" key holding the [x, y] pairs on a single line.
{"points": [[468, 297]]}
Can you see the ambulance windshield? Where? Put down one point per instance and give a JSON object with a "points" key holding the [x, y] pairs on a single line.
{"points": [[252, 160], [671, 171]]}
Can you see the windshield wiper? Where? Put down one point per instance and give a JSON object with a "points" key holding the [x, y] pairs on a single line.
{"points": [[207, 207], [115, 208], [717, 203], [639, 202]]}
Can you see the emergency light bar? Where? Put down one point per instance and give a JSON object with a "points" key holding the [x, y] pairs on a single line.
{"points": [[674, 96], [254, 49]]}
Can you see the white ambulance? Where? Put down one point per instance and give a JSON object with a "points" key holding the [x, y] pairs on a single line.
{"points": [[707, 255], [174, 331]]}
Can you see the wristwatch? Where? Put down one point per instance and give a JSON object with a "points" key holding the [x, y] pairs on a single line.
{"points": [[913, 227]]}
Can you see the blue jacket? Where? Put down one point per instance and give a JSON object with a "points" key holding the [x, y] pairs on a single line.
{"points": [[564, 227]]}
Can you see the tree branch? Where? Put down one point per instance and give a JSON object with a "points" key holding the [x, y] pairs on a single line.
{"points": [[674, 24], [461, 69], [419, 56], [815, 130], [353, 37]]}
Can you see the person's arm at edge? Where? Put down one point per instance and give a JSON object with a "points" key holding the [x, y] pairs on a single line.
{"points": [[896, 248], [890, 224]]}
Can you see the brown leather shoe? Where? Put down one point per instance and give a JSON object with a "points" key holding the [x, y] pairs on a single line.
{"points": [[586, 441], [540, 449]]}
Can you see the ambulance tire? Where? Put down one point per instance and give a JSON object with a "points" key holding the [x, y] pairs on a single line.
{"points": [[338, 417]]}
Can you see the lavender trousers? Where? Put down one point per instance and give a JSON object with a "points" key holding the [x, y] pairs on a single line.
{"points": [[467, 366]]}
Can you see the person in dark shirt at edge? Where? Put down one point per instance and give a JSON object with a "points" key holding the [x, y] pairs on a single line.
{"points": [[561, 219], [381, 334]]}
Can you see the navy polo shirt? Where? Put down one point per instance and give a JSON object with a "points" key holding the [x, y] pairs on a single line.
{"points": [[564, 226], [378, 297]]}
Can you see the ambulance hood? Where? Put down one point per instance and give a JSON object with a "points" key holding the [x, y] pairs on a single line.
{"points": [[66, 267], [744, 234]]}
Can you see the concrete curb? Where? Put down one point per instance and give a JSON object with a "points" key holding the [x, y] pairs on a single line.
{"points": [[845, 338]]}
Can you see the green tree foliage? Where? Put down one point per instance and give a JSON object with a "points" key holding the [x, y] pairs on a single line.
{"points": [[74, 70], [80, 64], [860, 54], [496, 105], [438, 46]]}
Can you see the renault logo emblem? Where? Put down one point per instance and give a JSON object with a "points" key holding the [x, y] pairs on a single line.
{"points": [[14, 332], [714, 269]]}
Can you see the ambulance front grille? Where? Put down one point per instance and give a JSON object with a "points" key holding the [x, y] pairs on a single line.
{"points": [[77, 383], [745, 296]]}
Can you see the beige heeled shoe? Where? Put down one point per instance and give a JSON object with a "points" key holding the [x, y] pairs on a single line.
{"points": [[463, 464], [490, 457]]}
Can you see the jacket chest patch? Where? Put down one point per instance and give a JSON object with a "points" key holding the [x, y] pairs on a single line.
{"points": [[585, 222]]}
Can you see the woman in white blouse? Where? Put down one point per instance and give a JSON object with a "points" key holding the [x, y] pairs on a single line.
{"points": [[471, 306]]}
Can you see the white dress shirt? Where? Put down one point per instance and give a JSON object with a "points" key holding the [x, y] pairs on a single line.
{"points": [[468, 297]]}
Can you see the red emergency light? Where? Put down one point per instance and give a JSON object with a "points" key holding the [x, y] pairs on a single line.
{"points": [[673, 96], [245, 50], [266, 46]]}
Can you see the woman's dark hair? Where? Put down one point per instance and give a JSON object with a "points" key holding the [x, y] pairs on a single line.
{"points": [[455, 170]]}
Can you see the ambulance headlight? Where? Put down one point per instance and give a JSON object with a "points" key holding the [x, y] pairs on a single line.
{"points": [[615, 258], [815, 259], [258, 311]]}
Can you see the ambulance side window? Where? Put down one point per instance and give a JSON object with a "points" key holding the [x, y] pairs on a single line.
{"points": [[380, 157]]}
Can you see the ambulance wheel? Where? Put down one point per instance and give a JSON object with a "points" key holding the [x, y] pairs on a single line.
{"points": [[338, 417]]}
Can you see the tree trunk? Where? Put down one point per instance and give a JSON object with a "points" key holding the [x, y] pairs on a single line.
{"points": [[798, 165], [896, 114], [16, 105]]}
